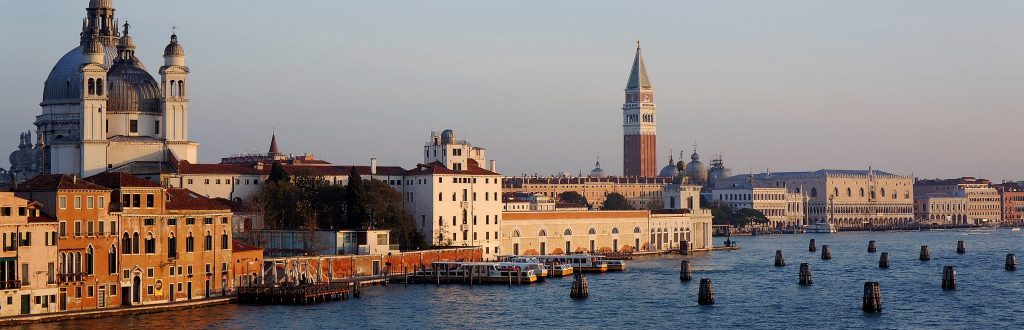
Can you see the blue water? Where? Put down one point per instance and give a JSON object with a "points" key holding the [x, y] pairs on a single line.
{"points": [[749, 293]]}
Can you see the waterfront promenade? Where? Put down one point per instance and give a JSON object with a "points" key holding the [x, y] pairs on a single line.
{"points": [[749, 291]]}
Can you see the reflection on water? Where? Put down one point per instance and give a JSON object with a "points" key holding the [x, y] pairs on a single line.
{"points": [[749, 292]]}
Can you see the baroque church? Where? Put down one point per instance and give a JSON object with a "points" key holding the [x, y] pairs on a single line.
{"points": [[103, 110]]}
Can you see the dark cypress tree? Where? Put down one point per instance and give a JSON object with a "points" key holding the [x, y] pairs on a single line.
{"points": [[277, 173], [356, 216]]}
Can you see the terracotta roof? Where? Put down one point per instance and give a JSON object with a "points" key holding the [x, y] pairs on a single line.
{"points": [[363, 170], [235, 207], [518, 182], [184, 167], [184, 199], [50, 182], [436, 167], [115, 180], [237, 246]]}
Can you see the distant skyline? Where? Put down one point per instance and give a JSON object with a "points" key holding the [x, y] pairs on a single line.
{"points": [[929, 88]]}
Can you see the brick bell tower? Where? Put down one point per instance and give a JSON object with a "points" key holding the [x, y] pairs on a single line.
{"points": [[639, 135]]}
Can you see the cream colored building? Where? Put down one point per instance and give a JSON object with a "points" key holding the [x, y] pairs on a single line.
{"points": [[847, 198], [28, 283], [983, 200], [941, 209], [782, 208], [642, 193]]}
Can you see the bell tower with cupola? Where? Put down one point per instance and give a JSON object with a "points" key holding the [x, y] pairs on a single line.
{"points": [[174, 87], [638, 122], [93, 109]]}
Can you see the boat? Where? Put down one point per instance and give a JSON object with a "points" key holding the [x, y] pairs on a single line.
{"points": [[527, 263], [820, 226], [616, 265], [547, 269], [559, 269], [477, 272], [581, 262], [1015, 229]]}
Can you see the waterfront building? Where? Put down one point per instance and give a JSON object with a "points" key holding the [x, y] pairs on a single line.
{"points": [[517, 202], [102, 109], [288, 243], [1011, 195], [28, 270], [639, 122], [983, 201], [783, 209], [941, 209], [87, 259], [850, 199], [560, 232], [642, 193], [247, 263], [175, 244]]}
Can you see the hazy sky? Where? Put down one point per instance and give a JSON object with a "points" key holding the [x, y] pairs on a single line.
{"points": [[933, 88]]}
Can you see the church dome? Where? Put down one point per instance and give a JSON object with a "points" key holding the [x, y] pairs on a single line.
{"points": [[62, 84], [598, 172], [174, 48], [695, 170], [669, 170], [131, 88]]}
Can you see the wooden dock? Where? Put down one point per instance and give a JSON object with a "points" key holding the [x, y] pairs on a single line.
{"points": [[294, 294]]}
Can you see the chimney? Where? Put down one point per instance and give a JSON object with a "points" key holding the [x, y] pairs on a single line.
{"points": [[493, 166], [373, 166]]}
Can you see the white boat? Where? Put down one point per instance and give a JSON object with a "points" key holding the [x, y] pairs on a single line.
{"points": [[820, 226], [615, 264], [581, 262], [1015, 229], [480, 272], [527, 263]]}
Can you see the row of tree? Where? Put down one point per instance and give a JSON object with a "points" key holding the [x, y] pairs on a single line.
{"points": [[304, 201], [722, 214], [613, 201]]}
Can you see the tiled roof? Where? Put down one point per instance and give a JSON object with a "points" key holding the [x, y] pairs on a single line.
{"points": [[125, 138], [472, 168], [518, 182], [237, 246], [144, 167], [184, 199], [50, 182], [184, 167], [115, 180]]}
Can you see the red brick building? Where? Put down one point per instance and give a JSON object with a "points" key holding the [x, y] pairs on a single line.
{"points": [[639, 142], [1011, 197]]}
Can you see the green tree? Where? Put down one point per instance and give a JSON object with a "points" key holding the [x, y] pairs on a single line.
{"points": [[615, 201], [356, 215], [572, 197], [386, 209], [743, 217], [277, 172]]}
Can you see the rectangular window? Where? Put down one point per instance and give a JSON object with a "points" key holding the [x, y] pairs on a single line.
{"points": [[207, 221], [89, 228], [156, 128], [149, 222], [102, 202], [113, 227], [189, 181], [63, 203], [101, 227], [78, 228], [78, 202], [136, 200], [150, 201], [90, 202], [190, 221], [126, 200], [172, 222], [133, 126], [63, 228]]}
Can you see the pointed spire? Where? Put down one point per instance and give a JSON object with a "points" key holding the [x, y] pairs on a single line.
{"points": [[273, 145], [638, 74]]}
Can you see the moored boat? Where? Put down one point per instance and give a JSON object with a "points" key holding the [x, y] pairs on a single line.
{"points": [[579, 262], [820, 226], [616, 265], [474, 272]]}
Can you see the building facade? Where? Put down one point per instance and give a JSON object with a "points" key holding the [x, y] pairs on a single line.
{"points": [[1011, 195], [983, 201], [642, 193], [28, 260], [102, 109], [947, 209], [782, 208], [639, 138], [849, 199]]}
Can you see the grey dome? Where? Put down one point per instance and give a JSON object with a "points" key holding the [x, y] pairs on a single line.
{"points": [[695, 170], [668, 171], [448, 137], [131, 88], [598, 172], [174, 48], [62, 85]]}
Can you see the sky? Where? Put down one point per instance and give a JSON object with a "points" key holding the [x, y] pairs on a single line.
{"points": [[929, 88]]}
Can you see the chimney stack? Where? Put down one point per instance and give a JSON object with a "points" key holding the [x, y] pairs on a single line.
{"points": [[493, 167], [373, 166]]}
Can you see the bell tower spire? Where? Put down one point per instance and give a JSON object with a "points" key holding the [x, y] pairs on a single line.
{"points": [[639, 121]]}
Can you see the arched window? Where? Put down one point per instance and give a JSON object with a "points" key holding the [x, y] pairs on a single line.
{"points": [[542, 233], [92, 86], [872, 194], [615, 230], [89, 258], [181, 88], [883, 192], [112, 259], [207, 241], [78, 262], [126, 244], [99, 86], [172, 246], [515, 233], [135, 243], [591, 232], [861, 192], [568, 232], [636, 230], [224, 240], [174, 88], [440, 197], [150, 244], [835, 191], [849, 192], [62, 263], [814, 192], [190, 241]]}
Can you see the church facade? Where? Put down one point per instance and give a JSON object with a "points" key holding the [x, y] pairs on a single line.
{"points": [[102, 109]]}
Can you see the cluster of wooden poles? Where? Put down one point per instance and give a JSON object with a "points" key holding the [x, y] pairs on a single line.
{"points": [[872, 302]]}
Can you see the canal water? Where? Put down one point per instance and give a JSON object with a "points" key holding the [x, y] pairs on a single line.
{"points": [[749, 293]]}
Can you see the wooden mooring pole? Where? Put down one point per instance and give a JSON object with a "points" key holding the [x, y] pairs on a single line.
{"points": [[871, 247], [925, 254], [779, 260], [811, 247], [1011, 262], [826, 254], [805, 274], [684, 271], [948, 278], [883, 260], [872, 297], [960, 248], [706, 293], [579, 288]]}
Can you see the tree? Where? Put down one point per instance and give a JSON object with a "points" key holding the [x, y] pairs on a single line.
{"points": [[743, 217], [386, 209], [615, 201], [572, 197], [356, 215], [277, 173]]}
